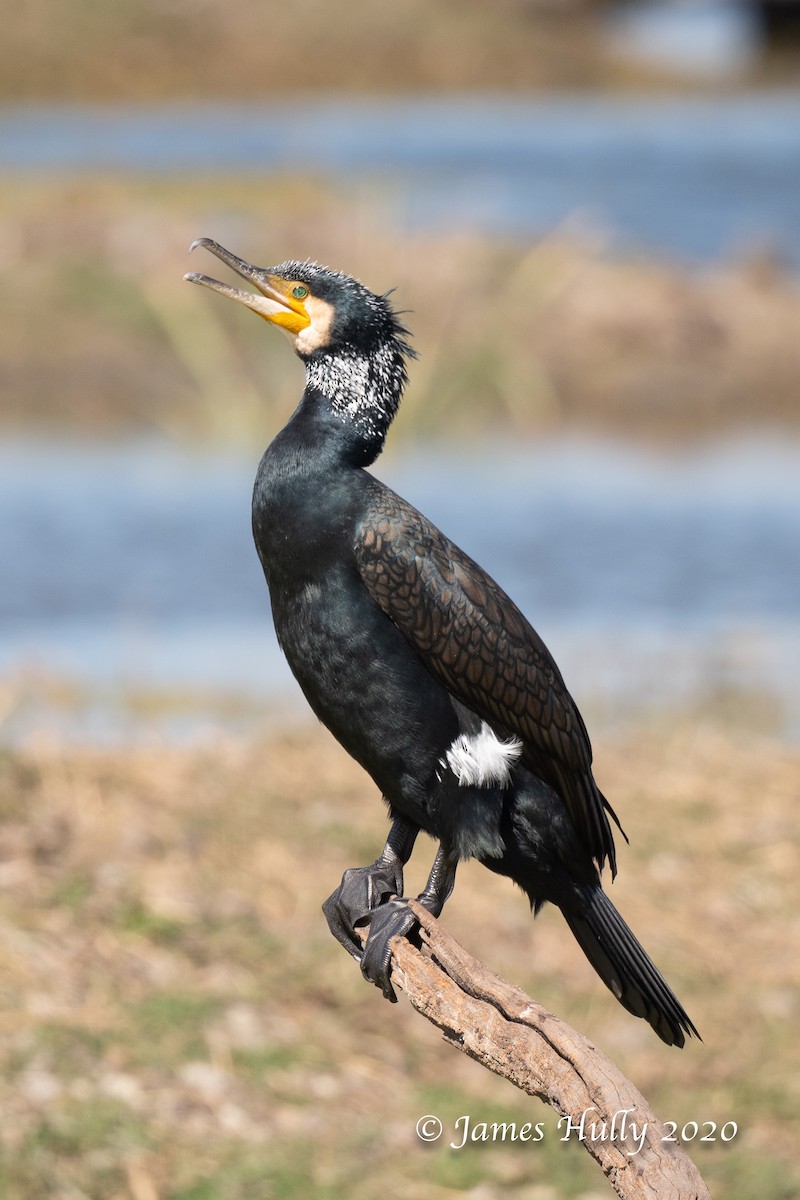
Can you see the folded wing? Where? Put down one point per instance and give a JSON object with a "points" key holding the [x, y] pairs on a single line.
{"points": [[475, 641]]}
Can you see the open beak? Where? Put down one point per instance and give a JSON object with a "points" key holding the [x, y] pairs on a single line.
{"points": [[274, 303]]}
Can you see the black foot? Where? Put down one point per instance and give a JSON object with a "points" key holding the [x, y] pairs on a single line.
{"points": [[361, 892], [392, 919]]}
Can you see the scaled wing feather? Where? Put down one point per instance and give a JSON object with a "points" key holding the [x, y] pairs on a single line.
{"points": [[476, 642]]}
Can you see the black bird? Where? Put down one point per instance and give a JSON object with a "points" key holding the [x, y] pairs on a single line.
{"points": [[418, 663]]}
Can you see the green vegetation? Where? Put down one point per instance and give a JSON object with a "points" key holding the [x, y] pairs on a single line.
{"points": [[177, 1023]]}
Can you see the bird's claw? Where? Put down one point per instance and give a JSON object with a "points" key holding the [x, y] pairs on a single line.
{"points": [[363, 890], [393, 919]]}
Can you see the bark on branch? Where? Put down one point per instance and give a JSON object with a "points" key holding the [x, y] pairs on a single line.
{"points": [[498, 1025]]}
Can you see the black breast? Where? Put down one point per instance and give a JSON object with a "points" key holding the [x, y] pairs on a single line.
{"points": [[356, 669]]}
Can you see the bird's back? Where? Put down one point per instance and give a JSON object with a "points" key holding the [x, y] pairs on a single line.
{"points": [[475, 641]]}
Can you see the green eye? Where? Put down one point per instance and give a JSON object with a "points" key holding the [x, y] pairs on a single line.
{"points": [[300, 292]]}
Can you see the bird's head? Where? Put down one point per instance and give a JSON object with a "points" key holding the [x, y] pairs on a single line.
{"points": [[321, 310], [350, 339]]}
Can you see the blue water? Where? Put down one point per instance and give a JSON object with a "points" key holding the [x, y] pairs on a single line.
{"points": [[698, 177], [656, 579], [707, 39]]}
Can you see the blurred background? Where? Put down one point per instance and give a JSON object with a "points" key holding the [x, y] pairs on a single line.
{"points": [[590, 214]]}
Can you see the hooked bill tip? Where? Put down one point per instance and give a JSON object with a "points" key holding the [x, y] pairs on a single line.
{"points": [[204, 241]]}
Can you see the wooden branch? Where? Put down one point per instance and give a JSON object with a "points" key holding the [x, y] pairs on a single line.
{"points": [[498, 1025]]}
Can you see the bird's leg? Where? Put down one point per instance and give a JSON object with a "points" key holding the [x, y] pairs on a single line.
{"points": [[395, 919], [363, 889]]}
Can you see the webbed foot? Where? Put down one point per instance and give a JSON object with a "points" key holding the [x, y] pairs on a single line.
{"points": [[395, 919], [392, 919], [361, 892], [374, 894]]}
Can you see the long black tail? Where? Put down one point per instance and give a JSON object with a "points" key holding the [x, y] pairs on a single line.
{"points": [[626, 969]]}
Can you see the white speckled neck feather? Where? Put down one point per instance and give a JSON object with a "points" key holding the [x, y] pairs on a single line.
{"points": [[364, 389]]}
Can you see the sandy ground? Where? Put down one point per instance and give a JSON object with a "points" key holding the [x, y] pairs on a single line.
{"points": [[177, 1023]]}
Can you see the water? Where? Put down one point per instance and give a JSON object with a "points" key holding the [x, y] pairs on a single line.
{"points": [[656, 580], [707, 39], [698, 177]]}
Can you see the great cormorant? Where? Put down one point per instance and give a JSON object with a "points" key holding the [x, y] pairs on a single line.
{"points": [[418, 663]]}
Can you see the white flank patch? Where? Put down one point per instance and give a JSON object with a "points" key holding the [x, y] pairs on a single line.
{"points": [[481, 759]]}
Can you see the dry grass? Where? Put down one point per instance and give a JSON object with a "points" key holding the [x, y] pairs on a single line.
{"points": [[99, 334], [146, 49], [143, 50], [177, 1024]]}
